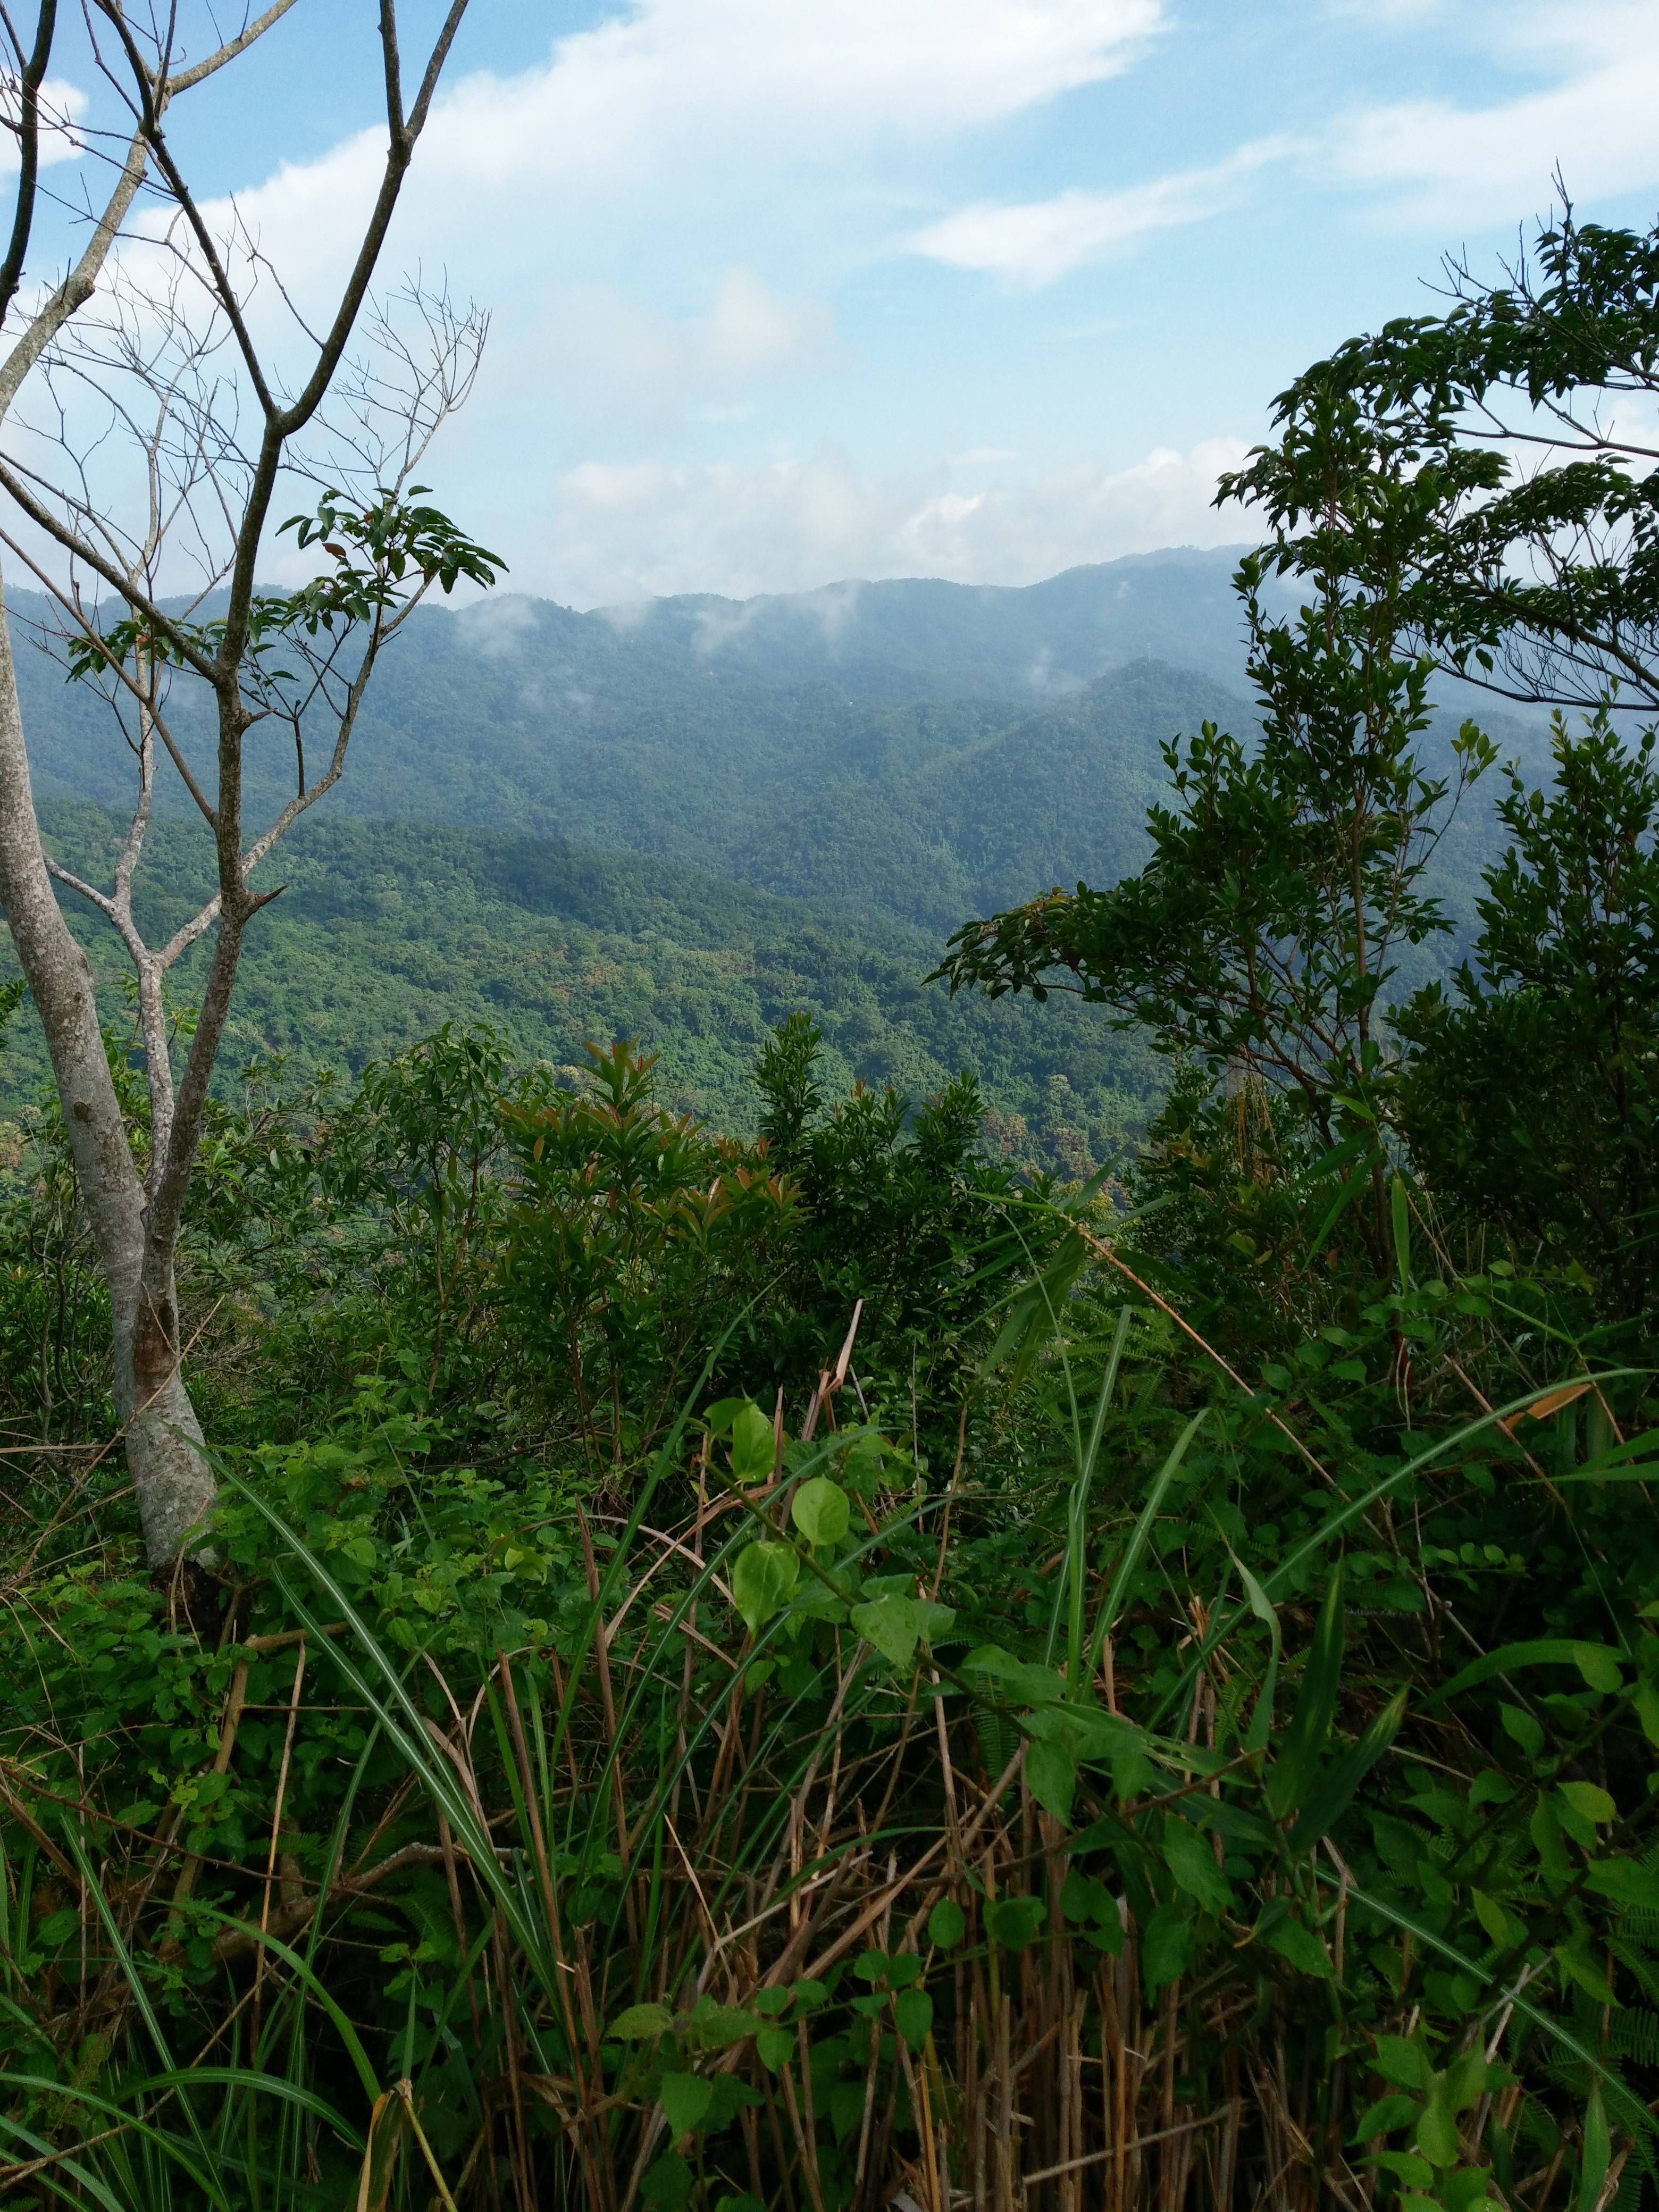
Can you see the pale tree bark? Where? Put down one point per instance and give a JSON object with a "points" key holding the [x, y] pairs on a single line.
{"points": [[135, 1216]]}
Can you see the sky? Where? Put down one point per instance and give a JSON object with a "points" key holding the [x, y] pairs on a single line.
{"points": [[784, 293]]}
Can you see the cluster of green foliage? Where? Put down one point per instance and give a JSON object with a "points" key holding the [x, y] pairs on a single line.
{"points": [[811, 1666], [383, 932]]}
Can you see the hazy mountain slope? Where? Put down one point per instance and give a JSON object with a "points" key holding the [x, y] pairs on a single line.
{"points": [[845, 746], [911, 637]]}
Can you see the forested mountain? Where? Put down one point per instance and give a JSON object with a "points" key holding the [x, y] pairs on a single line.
{"points": [[925, 748], [388, 930]]}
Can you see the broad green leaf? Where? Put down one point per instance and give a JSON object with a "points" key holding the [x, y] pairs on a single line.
{"points": [[946, 1924], [1589, 1802], [762, 1582], [776, 2047], [1522, 1728], [912, 2015], [1382, 2117], [996, 1672], [753, 1446], [1294, 1942], [1437, 2129], [1052, 1772], [1635, 1887], [820, 1511], [641, 2021], [1402, 2063], [668, 2183], [1167, 1943], [894, 1625], [1014, 1922], [714, 2026], [1407, 2166], [1466, 2079], [1498, 1924], [1190, 1858], [685, 2099]]}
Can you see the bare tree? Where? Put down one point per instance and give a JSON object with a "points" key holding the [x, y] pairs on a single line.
{"points": [[146, 432]]}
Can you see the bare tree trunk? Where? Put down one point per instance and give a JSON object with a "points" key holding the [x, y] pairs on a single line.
{"points": [[174, 1482]]}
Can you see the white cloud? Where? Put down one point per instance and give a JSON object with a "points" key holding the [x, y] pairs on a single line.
{"points": [[615, 533], [615, 357], [1039, 241], [694, 95], [1446, 163]]}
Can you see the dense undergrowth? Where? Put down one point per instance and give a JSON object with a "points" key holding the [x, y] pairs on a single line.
{"points": [[820, 1672]]}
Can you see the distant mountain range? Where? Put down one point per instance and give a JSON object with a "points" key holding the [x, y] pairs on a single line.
{"points": [[906, 754], [928, 749]]}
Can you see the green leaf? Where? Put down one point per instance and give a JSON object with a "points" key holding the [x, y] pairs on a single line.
{"points": [[714, 2026], [753, 1446], [1287, 1782], [1052, 1772], [1166, 1944], [1466, 2079], [1597, 2152], [1523, 1730], [1382, 2117], [1294, 1942], [1597, 1662], [1437, 2129], [1404, 2063], [912, 2015], [821, 1510], [894, 1625], [685, 2099], [776, 2047], [641, 2021], [1498, 1924], [996, 1673], [1401, 1218], [1635, 1887], [1333, 1791], [668, 2183], [1014, 1922], [762, 1582], [1589, 1802], [1190, 1858], [1406, 2167], [947, 1923]]}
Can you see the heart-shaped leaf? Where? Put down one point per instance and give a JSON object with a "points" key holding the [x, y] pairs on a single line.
{"points": [[686, 2101], [1052, 1772], [912, 2014], [763, 1580], [1014, 1922], [754, 1447], [821, 1510], [946, 1924]]}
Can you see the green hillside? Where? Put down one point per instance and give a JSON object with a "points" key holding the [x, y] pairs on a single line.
{"points": [[388, 930]]}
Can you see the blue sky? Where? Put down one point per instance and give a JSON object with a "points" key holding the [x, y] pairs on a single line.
{"points": [[784, 293]]}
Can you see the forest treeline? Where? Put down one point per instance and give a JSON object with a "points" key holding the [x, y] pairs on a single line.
{"points": [[802, 1663]]}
